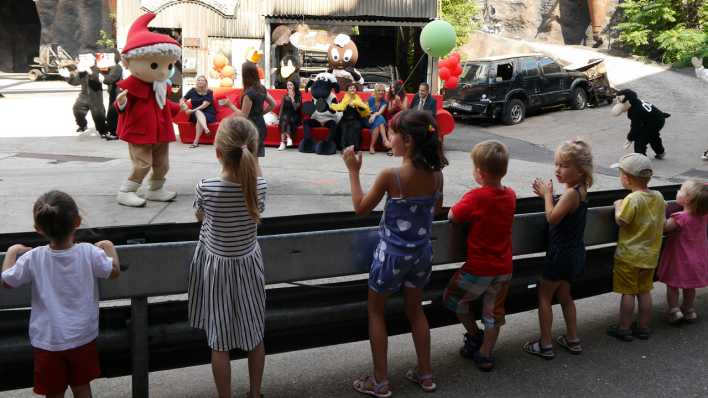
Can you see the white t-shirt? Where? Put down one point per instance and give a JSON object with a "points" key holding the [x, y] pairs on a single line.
{"points": [[64, 293]]}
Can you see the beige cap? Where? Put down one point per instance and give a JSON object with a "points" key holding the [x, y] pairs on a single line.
{"points": [[635, 164]]}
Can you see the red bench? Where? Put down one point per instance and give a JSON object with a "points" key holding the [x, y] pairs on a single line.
{"points": [[187, 131]]}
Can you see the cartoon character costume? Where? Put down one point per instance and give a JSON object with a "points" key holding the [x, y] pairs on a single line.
{"points": [[646, 122], [324, 85], [90, 97], [144, 113], [289, 70], [354, 113], [342, 56]]}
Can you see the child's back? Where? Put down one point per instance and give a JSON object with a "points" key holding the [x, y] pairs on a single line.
{"points": [[639, 241], [64, 293]]}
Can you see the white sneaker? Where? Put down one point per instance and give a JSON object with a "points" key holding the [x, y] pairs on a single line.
{"points": [[160, 195], [290, 142], [130, 199], [705, 155], [282, 146]]}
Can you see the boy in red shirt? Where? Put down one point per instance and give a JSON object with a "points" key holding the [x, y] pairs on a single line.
{"points": [[487, 271]]}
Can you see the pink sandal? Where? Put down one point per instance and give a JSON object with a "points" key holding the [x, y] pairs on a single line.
{"points": [[425, 382], [369, 386]]}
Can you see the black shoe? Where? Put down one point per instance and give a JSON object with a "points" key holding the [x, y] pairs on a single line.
{"points": [[660, 156], [472, 344], [80, 129], [110, 137]]}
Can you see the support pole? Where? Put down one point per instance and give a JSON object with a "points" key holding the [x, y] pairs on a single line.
{"points": [[139, 346], [267, 54]]}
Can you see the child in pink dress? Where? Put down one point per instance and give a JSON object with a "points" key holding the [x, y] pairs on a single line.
{"points": [[684, 263]]}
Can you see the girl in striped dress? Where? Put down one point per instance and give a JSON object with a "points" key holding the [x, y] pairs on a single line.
{"points": [[226, 285]]}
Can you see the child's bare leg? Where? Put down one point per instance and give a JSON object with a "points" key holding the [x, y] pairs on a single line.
{"points": [[468, 321], [490, 339], [378, 335], [672, 297], [545, 310], [644, 310], [420, 329], [83, 391], [626, 311], [569, 314], [256, 363], [689, 298], [221, 369]]}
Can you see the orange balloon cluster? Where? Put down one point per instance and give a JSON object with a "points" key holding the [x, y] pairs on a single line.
{"points": [[449, 70], [222, 70]]}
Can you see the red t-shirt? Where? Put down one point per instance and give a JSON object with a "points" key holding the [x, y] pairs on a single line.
{"points": [[490, 212]]}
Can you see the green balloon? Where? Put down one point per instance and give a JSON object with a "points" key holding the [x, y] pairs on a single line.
{"points": [[437, 38]]}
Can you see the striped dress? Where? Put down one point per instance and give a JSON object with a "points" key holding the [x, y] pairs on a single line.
{"points": [[226, 285]]}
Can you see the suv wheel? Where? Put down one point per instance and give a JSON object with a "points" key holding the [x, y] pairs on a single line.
{"points": [[579, 99], [514, 112]]}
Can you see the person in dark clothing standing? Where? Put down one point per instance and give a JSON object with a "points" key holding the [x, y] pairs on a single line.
{"points": [[110, 79], [90, 99]]}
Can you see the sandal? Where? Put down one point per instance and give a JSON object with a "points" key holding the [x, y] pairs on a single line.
{"points": [[372, 151], [573, 347], [485, 364], [640, 333], [535, 348], [194, 146], [389, 153], [674, 317], [368, 385], [620, 334], [425, 381], [690, 315]]}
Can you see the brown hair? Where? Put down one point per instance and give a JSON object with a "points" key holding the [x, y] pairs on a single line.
{"points": [[492, 157], [422, 128], [697, 197], [578, 153], [55, 214], [249, 75], [237, 141]]}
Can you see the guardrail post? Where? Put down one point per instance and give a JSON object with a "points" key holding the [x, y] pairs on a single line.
{"points": [[139, 346]]}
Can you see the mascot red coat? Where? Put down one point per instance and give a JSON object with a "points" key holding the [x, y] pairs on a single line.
{"points": [[145, 114]]}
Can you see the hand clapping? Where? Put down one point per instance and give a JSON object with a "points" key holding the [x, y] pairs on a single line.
{"points": [[542, 188], [352, 159]]}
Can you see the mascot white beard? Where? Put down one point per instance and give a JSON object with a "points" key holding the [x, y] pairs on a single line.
{"points": [[160, 88]]}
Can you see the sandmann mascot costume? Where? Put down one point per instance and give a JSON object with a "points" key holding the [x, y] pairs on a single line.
{"points": [[322, 87], [144, 113], [646, 122], [342, 56]]}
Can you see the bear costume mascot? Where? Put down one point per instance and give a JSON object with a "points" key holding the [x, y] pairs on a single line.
{"points": [[646, 122], [289, 70], [342, 56], [322, 87], [144, 112]]}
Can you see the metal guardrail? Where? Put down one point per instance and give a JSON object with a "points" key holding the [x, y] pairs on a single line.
{"points": [[142, 338]]}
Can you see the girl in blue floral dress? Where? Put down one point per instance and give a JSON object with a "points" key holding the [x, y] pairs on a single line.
{"points": [[403, 257]]}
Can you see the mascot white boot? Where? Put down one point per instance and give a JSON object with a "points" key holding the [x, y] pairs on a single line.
{"points": [[144, 113]]}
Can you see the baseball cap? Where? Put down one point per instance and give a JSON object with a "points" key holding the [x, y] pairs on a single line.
{"points": [[635, 164]]}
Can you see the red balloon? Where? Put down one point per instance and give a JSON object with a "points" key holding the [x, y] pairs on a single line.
{"points": [[451, 83], [444, 73], [442, 64], [455, 56], [456, 70], [449, 63]]}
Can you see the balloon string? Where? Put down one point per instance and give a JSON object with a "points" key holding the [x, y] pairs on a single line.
{"points": [[411, 73]]}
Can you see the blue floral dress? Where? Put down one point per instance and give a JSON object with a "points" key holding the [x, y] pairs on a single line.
{"points": [[404, 254], [380, 119]]}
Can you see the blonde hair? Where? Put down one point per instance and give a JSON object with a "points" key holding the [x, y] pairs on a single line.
{"points": [[697, 196], [492, 157], [578, 153], [237, 141]]}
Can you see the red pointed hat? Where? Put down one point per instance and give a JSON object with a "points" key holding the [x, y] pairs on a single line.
{"points": [[139, 36]]}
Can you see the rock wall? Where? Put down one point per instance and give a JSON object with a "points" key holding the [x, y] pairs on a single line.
{"points": [[73, 24], [555, 21], [19, 35]]}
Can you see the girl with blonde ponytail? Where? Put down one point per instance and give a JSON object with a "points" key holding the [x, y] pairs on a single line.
{"points": [[226, 286]]}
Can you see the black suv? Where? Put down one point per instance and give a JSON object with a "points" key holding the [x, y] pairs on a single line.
{"points": [[506, 87]]}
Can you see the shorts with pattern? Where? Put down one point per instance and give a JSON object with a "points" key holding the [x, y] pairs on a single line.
{"points": [[464, 288], [627, 279], [390, 270]]}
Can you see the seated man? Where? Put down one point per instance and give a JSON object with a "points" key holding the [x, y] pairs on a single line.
{"points": [[423, 100]]}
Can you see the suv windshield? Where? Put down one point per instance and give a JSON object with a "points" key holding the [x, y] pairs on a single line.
{"points": [[475, 73]]}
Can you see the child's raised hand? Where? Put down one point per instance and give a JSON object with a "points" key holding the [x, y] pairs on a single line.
{"points": [[104, 244], [542, 188], [352, 159]]}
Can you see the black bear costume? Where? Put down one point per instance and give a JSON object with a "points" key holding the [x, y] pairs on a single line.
{"points": [[322, 87], [646, 122]]}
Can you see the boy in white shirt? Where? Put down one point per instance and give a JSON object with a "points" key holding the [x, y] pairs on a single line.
{"points": [[64, 320]]}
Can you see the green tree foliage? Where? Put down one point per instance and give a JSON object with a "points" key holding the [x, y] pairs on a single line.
{"points": [[672, 31], [106, 40], [459, 14]]}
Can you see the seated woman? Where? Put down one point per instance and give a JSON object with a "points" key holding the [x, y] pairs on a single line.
{"points": [[377, 122], [354, 113], [397, 101], [202, 112], [289, 115]]}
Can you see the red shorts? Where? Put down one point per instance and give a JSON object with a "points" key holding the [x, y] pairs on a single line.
{"points": [[54, 371]]}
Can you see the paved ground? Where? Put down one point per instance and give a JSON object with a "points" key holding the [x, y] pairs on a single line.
{"points": [[39, 151]]}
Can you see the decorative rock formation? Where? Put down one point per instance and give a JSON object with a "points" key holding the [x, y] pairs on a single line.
{"points": [[72, 24]]}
